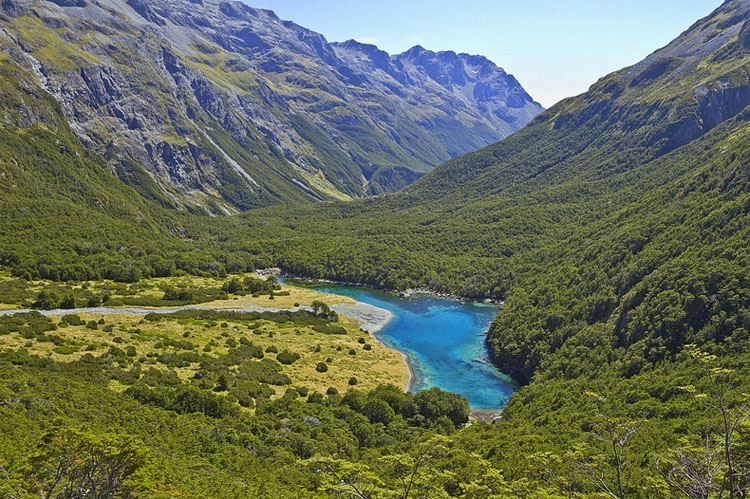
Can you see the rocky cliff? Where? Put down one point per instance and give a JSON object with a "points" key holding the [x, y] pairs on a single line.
{"points": [[227, 107]]}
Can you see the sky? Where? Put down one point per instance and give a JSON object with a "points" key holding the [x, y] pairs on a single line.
{"points": [[555, 48]]}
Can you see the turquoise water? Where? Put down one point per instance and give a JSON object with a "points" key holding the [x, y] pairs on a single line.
{"points": [[444, 340]]}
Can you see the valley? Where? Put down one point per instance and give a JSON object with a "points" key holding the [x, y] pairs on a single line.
{"points": [[144, 350]]}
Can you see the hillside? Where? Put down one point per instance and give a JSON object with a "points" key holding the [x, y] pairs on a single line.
{"points": [[230, 107]]}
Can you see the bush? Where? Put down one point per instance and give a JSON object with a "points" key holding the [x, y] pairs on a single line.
{"points": [[286, 357], [315, 398], [352, 381], [332, 391], [321, 367], [72, 319], [68, 302], [172, 294], [378, 411], [222, 384], [47, 300]]}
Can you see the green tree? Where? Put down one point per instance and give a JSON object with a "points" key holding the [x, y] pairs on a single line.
{"points": [[378, 411], [615, 434], [732, 408], [320, 308], [72, 463], [47, 300]]}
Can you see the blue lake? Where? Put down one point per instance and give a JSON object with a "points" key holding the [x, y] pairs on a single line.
{"points": [[444, 340]]}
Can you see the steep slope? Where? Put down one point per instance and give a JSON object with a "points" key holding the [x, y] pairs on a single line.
{"points": [[627, 118], [458, 98], [229, 107]]}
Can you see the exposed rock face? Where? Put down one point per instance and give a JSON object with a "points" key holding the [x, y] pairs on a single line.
{"points": [[228, 107], [462, 82]]}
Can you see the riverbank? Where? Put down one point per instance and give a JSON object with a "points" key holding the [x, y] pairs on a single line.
{"points": [[486, 415], [409, 292], [372, 319]]}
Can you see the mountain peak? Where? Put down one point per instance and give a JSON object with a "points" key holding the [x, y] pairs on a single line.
{"points": [[273, 106]]}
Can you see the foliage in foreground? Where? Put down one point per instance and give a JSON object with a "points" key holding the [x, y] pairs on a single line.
{"points": [[681, 427]]}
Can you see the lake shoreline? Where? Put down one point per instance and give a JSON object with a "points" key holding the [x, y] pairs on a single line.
{"points": [[409, 292], [448, 333], [372, 319]]}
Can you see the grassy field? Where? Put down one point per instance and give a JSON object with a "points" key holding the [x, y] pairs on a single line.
{"points": [[345, 355], [19, 293]]}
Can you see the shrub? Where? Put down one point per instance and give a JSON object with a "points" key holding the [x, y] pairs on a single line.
{"points": [[286, 357], [47, 300], [378, 411], [72, 319], [222, 384], [68, 302], [315, 398], [352, 381], [321, 367]]}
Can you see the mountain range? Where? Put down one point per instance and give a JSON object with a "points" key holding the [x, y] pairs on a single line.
{"points": [[221, 107]]}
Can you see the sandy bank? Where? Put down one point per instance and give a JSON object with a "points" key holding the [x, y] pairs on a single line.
{"points": [[372, 319]]}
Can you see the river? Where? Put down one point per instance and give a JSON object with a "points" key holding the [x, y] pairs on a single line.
{"points": [[443, 340]]}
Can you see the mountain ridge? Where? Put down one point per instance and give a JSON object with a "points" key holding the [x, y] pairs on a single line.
{"points": [[232, 108]]}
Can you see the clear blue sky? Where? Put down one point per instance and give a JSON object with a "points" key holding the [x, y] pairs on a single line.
{"points": [[556, 48]]}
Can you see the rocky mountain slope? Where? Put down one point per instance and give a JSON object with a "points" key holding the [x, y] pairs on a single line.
{"points": [[228, 107], [614, 227]]}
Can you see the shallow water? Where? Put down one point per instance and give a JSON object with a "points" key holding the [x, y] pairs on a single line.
{"points": [[444, 340]]}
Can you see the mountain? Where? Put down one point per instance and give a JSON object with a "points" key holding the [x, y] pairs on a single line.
{"points": [[226, 107]]}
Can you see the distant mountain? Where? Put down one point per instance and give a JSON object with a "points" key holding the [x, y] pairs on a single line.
{"points": [[227, 107]]}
